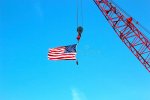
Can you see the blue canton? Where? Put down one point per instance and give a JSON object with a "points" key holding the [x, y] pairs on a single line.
{"points": [[70, 48]]}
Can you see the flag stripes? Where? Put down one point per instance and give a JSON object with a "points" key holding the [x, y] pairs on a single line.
{"points": [[62, 53]]}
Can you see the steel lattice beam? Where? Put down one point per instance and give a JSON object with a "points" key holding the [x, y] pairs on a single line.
{"points": [[138, 44]]}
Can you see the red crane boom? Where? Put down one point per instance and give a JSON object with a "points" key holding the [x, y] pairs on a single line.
{"points": [[125, 28]]}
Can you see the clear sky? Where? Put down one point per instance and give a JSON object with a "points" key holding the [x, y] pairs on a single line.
{"points": [[107, 69]]}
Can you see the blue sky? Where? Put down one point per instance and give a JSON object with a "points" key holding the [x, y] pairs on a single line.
{"points": [[107, 69]]}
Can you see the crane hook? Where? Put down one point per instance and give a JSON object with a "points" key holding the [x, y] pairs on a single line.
{"points": [[79, 30]]}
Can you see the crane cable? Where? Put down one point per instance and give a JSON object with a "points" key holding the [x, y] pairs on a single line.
{"points": [[79, 12], [145, 29], [79, 24]]}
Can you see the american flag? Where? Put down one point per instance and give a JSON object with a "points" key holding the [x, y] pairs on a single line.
{"points": [[63, 53]]}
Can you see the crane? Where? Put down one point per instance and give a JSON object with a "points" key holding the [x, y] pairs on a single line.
{"points": [[127, 31]]}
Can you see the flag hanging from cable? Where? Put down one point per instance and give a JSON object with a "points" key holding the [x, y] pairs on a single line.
{"points": [[63, 53]]}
